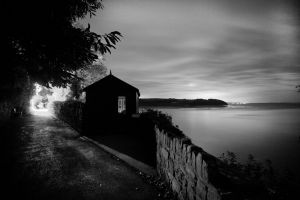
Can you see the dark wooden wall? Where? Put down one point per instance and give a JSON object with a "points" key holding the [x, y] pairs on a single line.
{"points": [[101, 111]]}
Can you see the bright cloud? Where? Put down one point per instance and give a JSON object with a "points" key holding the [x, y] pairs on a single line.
{"points": [[235, 50]]}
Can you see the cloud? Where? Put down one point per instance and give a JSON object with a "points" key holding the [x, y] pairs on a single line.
{"points": [[231, 49]]}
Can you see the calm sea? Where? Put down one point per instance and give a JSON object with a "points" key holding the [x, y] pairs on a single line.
{"points": [[266, 131]]}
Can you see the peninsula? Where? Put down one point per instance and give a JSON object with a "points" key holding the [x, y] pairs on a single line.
{"points": [[171, 102]]}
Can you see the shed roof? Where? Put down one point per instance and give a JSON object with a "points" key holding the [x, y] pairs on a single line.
{"points": [[109, 80]]}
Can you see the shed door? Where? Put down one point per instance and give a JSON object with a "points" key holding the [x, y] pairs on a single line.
{"points": [[121, 104]]}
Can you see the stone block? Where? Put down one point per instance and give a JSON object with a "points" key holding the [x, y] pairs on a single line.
{"points": [[180, 174], [190, 172], [176, 157], [175, 186], [191, 193], [170, 176], [179, 158], [197, 197], [183, 155], [164, 153], [199, 165], [185, 146], [181, 196], [171, 167], [193, 162], [158, 155], [167, 144], [189, 158], [177, 174], [179, 146], [183, 189], [174, 145], [182, 170], [204, 171], [188, 149], [172, 155], [201, 190], [191, 189], [212, 193], [161, 139], [157, 133]]}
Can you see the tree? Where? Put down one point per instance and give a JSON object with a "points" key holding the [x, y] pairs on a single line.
{"points": [[43, 43], [86, 76], [91, 73]]}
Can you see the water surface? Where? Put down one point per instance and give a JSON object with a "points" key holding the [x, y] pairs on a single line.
{"points": [[265, 131]]}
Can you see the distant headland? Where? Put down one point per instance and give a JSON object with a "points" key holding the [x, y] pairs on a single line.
{"points": [[160, 102]]}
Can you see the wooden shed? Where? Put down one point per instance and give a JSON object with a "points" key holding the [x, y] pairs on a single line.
{"points": [[111, 98]]}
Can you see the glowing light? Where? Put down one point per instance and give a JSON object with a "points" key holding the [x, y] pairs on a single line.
{"points": [[42, 101], [191, 85]]}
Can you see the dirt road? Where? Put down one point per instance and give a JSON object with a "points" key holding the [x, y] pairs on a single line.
{"points": [[44, 158]]}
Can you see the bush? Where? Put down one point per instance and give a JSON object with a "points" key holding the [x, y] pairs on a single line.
{"points": [[163, 122], [71, 112], [262, 177]]}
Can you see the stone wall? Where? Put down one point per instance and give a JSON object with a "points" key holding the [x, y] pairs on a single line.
{"points": [[71, 112], [192, 173], [185, 167]]}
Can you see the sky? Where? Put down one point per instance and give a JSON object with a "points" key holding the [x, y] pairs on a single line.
{"points": [[234, 50]]}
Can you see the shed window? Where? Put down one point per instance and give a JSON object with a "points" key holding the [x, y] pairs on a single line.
{"points": [[121, 104]]}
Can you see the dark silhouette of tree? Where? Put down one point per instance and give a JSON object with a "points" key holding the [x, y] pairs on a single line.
{"points": [[92, 73], [298, 87], [43, 43], [87, 75], [261, 177]]}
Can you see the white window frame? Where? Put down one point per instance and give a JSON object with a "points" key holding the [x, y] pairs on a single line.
{"points": [[121, 104]]}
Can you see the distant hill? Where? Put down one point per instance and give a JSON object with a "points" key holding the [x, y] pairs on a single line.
{"points": [[156, 102]]}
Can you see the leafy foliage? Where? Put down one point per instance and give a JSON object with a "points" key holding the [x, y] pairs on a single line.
{"points": [[87, 76], [163, 121], [70, 111], [92, 74], [42, 42], [262, 177]]}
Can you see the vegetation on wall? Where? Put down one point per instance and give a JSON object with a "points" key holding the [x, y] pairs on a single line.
{"points": [[163, 121], [262, 181]]}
